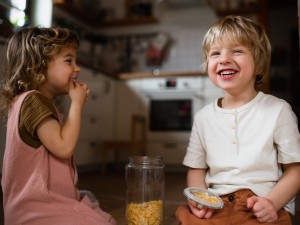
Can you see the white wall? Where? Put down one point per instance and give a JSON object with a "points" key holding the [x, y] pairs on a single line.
{"points": [[187, 27]]}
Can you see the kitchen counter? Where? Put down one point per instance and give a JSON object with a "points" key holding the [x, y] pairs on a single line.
{"points": [[125, 76]]}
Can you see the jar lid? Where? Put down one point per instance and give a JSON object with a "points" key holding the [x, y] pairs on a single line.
{"points": [[203, 198], [146, 159]]}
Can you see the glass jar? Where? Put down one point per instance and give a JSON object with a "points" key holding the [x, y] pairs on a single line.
{"points": [[145, 183]]}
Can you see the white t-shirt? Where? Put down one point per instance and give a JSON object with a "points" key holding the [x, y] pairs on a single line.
{"points": [[243, 147]]}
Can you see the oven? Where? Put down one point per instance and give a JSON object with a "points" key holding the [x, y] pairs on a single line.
{"points": [[171, 105]]}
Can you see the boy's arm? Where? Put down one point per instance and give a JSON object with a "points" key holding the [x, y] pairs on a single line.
{"points": [[287, 186], [265, 208], [196, 178]]}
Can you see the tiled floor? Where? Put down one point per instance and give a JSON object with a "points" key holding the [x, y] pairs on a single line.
{"points": [[110, 191]]}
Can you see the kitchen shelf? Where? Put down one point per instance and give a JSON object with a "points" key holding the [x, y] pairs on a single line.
{"points": [[222, 13], [128, 22], [78, 13]]}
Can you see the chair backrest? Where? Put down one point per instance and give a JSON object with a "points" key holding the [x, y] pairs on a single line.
{"points": [[138, 132]]}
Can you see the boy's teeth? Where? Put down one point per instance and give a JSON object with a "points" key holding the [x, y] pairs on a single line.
{"points": [[224, 73]]}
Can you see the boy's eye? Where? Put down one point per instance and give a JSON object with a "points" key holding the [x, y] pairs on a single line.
{"points": [[214, 53], [237, 51]]}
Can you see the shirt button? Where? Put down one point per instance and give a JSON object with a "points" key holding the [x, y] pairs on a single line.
{"points": [[231, 197], [233, 127], [233, 141]]}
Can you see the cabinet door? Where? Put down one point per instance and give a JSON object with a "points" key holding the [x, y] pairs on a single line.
{"points": [[87, 152], [172, 152], [97, 117], [91, 128]]}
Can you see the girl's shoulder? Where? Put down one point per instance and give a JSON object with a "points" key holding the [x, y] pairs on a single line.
{"points": [[36, 97], [35, 101]]}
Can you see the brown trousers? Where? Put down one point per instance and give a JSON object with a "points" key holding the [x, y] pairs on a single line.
{"points": [[234, 212]]}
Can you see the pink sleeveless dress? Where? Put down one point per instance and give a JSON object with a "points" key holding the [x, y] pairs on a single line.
{"points": [[40, 189]]}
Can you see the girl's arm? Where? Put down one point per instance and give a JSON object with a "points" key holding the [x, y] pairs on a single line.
{"points": [[61, 140]]}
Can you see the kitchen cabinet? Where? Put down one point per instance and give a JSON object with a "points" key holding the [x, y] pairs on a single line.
{"points": [[97, 117], [172, 152]]}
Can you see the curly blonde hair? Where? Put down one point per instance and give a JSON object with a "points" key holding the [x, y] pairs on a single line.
{"points": [[247, 33], [28, 53]]}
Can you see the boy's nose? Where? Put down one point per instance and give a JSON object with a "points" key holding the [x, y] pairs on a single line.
{"points": [[225, 58]]}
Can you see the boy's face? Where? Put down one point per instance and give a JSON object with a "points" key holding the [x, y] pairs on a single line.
{"points": [[62, 70], [230, 66]]}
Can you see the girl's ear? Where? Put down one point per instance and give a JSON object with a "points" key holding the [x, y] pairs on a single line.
{"points": [[39, 78]]}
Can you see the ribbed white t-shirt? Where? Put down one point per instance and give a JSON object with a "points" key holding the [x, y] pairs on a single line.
{"points": [[244, 147]]}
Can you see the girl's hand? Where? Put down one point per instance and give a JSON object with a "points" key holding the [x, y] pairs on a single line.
{"points": [[263, 209], [203, 213], [78, 92]]}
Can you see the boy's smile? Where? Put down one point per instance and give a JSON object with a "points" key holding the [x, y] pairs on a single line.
{"points": [[227, 74]]}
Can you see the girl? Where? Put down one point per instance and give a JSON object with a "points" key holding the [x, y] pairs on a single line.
{"points": [[246, 145], [39, 178]]}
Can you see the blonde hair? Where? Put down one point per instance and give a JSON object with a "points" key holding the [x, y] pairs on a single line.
{"points": [[247, 33], [28, 53]]}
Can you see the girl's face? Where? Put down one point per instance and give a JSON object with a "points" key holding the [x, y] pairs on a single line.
{"points": [[62, 70], [231, 67]]}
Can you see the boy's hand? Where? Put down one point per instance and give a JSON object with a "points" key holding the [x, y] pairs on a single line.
{"points": [[263, 209], [203, 213]]}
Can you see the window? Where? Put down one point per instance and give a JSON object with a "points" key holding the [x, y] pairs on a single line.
{"points": [[17, 12]]}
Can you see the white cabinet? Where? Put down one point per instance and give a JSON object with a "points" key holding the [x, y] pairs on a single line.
{"points": [[97, 117], [172, 152]]}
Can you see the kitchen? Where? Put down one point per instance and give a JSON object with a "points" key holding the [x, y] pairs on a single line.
{"points": [[107, 114], [114, 49]]}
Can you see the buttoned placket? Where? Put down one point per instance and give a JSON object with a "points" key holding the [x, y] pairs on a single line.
{"points": [[233, 126]]}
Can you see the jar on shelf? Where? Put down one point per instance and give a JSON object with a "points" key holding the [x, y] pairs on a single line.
{"points": [[145, 183]]}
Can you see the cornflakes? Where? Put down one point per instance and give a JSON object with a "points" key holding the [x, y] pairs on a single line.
{"points": [[146, 213]]}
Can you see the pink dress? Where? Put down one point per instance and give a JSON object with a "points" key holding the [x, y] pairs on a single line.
{"points": [[40, 189]]}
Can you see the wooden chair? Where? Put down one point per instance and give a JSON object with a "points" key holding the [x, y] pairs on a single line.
{"points": [[135, 146]]}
